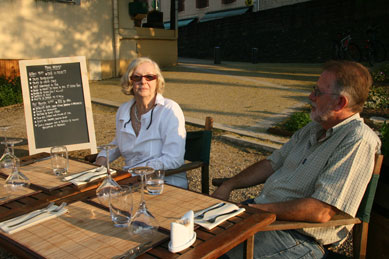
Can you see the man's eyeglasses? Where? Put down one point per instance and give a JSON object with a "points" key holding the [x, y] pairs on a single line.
{"points": [[138, 78], [316, 92]]}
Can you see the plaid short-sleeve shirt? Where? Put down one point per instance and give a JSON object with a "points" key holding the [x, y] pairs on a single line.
{"points": [[335, 169]]}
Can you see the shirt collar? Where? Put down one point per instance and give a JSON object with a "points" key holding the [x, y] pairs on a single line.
{"points": [[125, 115], [318, 130], [160, 100], [356, 116]]}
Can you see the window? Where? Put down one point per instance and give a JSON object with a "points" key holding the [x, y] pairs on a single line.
{"points": [[181, 5], [202, 3], [228, 1]]}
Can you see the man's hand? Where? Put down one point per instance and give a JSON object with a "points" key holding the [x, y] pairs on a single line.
{"points": [[101, 160], [222, 192]]}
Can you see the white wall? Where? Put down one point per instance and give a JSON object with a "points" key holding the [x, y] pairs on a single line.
{"points": [[106, 36], [33, 29]]}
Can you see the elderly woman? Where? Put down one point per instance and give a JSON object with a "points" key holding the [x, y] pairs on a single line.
{"points": [[149, 126]]}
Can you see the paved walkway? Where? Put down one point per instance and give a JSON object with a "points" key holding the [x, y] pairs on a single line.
{"points": [[243, 98]]}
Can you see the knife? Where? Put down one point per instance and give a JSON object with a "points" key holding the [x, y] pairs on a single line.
{"points": [[209, 209]]}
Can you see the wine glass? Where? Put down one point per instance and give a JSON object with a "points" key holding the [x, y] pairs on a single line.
{"points": [[7, 159], [104, 189], [120, 205], [16, 181], [143, 225]]}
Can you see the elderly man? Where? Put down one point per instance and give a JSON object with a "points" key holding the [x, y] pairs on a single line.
{"points": [[323, 169]]}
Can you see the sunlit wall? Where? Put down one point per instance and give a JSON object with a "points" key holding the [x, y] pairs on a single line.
{"points": [[100, 30], [33, 29]]}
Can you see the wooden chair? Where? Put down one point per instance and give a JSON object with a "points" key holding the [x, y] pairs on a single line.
{"points": [[197, 154], [361, 220]]}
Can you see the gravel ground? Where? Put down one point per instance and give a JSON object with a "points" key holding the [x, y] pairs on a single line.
{"points": [[226, 159]]}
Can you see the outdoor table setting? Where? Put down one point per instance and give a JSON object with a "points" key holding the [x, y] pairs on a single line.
{"points": [[120, 217]]}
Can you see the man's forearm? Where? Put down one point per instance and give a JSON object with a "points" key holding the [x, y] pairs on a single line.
{"points": [[307, 209], [252, 175]]}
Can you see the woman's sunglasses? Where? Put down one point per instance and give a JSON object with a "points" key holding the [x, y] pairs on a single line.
{"points": [[138, 78]]}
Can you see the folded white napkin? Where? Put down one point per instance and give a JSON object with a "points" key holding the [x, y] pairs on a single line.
{"points": [[229, 208], [30, 219], [88, 176], [182, 233]]}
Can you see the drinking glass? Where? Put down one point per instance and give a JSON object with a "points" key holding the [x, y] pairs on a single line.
{"points": [[4, 161], [16, 181], [121, 205], [103, 190], [155, 180], [59, 160], [143, 225]]}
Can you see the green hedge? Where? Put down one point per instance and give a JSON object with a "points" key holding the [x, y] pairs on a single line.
{"points": [[385, 139], [10, 91], [297, 121]]}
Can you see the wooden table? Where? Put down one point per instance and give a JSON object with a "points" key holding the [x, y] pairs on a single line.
{"points": [[94, 225], [43, 194]]}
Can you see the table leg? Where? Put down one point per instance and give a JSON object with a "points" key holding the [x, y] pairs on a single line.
{"points": [[249, 248]]}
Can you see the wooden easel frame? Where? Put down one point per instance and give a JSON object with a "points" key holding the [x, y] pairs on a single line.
{"points": [[23, 64]]}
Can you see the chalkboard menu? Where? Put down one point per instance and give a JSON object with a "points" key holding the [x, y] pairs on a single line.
{"points": [[57, 104]]}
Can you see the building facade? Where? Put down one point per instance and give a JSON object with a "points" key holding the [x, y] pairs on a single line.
{"points": [[101, 30]]}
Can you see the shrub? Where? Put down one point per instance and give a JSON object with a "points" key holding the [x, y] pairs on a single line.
{"points": [[297, 121], [10, 91], [385, 139], [378, 98]]}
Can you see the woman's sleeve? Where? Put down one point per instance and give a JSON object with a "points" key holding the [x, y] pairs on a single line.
{"points": [[113, 153], [173, 135]]}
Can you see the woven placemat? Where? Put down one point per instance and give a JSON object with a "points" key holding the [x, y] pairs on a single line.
{"points": [[8, 196], [84, 232], [42, 176], [172, 204]]}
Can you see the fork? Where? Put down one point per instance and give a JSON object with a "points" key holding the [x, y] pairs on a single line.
{"points": [[98, 169], [201, 216], [212, 220], [48, 209]]}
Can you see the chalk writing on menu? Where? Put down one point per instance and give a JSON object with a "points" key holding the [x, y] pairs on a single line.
{"points": [[57, 104]]}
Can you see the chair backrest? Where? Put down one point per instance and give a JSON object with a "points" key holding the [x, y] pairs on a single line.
{"points": [[364, 209], [198, 146], [198, 143]]}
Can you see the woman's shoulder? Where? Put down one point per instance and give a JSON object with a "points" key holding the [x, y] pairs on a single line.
{"points": [[169, 103]]}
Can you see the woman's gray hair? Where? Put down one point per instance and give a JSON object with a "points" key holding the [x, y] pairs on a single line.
{"points": [[126, 82]]}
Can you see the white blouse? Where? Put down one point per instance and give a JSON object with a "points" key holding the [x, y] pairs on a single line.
{"points": [[161, 137]]}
